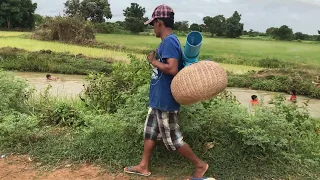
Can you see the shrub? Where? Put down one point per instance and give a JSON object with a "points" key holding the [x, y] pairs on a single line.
{"points": [[48, 61], [277, 80], [13, 92], [105, 28], [18, 129], [109, 93], [66, 29], [271, 63]]}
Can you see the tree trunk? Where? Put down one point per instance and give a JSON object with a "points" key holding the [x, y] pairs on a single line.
{"points": [[9, 23]]}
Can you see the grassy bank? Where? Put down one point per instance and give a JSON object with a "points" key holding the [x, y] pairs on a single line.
{"points": [[106, 127], [48, 61], [278, 80]]}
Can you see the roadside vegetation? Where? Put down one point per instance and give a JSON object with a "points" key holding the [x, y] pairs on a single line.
{"points": [[104, 125]]}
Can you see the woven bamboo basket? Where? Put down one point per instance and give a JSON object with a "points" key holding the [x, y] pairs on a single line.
{"points": [[198, 82]]}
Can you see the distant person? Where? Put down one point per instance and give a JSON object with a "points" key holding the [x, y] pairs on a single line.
{"points": [[293, 97], [51, 78], [254, 100]]}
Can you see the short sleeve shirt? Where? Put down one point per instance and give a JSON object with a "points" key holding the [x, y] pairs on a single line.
{"points": [[160, 95]]}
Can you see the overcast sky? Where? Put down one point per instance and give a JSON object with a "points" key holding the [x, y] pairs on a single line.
{"points": [[300, 15]]}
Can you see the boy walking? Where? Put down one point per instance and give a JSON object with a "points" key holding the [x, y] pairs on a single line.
{"points": [[162, 118]]}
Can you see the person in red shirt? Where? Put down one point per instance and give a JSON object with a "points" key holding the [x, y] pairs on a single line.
{"points": [[254, 100], [293, 97]]}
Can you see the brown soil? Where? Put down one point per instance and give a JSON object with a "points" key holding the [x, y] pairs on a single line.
{"points": [[22, 167]]}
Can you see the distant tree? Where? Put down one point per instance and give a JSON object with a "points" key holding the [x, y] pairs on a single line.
{"points": [[203, 27], [271, 31], [181, 26], [245, 32], [234, 27], [38, 19], [94, 10], [134, 20], [17, 13], [251, 33], [299, 35], [284, 33], [73, 8], [319, 32], [194, 27], [215, 25]]}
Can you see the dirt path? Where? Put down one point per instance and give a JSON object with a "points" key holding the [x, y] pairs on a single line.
{"points": [[23, 168]]}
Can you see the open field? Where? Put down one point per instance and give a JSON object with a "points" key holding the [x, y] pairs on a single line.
{"points": [[36, 45], [304, 52], [232, 48], [12, 34]]}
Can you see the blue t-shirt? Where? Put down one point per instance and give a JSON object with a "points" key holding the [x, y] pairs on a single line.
{"points": [[160, 93]]}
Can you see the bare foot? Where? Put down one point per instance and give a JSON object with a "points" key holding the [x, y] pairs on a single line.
{"points": [[201, 170], [138, 169]]}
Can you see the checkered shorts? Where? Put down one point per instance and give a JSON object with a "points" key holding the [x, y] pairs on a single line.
{"points": [[163, 125]]}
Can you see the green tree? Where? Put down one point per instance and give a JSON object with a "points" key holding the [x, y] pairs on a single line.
{"points": [[271, 31], [195, 27], [38, 19], [134, 20], [181, 26], [234, 27], [284, 33], [299, 35], [94, 10], [72, 8], [215, 25], [17, 13], [27, 11]]}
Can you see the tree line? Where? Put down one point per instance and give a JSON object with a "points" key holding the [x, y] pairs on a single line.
{"points": [[21, 14]]}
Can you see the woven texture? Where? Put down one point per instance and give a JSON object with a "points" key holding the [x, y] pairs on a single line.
{"points": [[197, 82]]}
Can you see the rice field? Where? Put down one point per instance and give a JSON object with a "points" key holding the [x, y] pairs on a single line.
{"points": [[230, 48], [12, 34], [36, 45], [233, 49]]}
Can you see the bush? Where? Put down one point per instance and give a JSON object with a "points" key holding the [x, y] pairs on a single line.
{"points": [[18, 130], [272, 63], [109, 93], [65, 29], [13, 92], [105, 28], [277, 80], [48, 61]]}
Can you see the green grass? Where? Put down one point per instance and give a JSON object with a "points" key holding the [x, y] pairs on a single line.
{"points": [[239, 69], [230, 48], [12, 34], [36, 45]]}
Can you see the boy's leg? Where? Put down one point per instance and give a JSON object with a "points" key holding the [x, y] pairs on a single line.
{"points": [[151, 132], [173, 140], [200, 166], [143, 166]]}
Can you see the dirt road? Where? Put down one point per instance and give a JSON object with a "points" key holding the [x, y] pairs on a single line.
{"points": [[23, 168]]}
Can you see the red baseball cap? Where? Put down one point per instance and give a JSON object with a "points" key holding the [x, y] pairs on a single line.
{"points": [[161, 11]]}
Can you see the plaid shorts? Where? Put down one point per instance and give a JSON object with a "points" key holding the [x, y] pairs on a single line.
{"points": [[163, 125]]}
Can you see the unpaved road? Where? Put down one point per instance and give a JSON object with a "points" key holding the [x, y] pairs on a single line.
{"points": [[23, 168]]}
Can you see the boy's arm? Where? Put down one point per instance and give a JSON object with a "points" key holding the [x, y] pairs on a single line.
{"points": [[171, 67]]}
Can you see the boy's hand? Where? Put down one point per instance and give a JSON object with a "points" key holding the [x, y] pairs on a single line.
{"points": [[152, 56]]}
